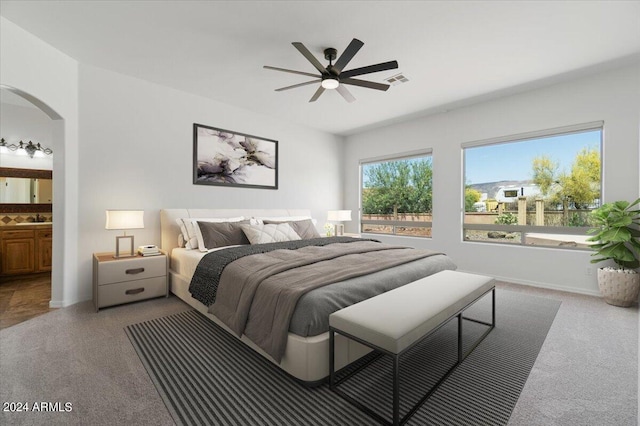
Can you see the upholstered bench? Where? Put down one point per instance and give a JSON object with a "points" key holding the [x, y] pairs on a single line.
{"points": [[395, 321]]}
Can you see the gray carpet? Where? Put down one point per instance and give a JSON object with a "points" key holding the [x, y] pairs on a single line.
{"points": [[206, 376]]}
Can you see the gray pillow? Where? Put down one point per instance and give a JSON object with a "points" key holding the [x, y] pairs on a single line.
{"points": [[304, 228], [222, 234]]}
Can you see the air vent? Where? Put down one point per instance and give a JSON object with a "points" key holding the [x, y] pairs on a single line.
{"points": [[396, 79]]}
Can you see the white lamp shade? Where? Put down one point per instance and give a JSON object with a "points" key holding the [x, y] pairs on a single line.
{"points": [[125, 219], [339, 215]]}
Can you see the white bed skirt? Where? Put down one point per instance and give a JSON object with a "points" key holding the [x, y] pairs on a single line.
{"points": [[305, 358]]}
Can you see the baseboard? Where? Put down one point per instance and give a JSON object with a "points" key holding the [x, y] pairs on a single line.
{"points": [[55, 304], [543, 285]]}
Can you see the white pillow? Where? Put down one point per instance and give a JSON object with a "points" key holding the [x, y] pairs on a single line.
{"points": [[183, 231], [190, 225], [258, 220], [272, 233]]}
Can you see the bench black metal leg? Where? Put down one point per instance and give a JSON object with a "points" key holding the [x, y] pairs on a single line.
{"points": [[493, 307], [396, 390], [459, 338], [331, 359]]}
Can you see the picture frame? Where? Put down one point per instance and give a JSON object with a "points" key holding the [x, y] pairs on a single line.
{"points": [[229, 158]]}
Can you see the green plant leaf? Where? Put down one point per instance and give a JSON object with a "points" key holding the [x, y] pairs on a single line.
{"points": [[616, 234], [621, 221], [621, 205], [635, 203]]}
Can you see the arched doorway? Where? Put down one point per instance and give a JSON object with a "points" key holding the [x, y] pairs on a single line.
{"points": [[57, 142]]}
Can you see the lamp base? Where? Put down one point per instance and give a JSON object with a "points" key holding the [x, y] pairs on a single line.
{"points": [[131, 253], [339, 230]]}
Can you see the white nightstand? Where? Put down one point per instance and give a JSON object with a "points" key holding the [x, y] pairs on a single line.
{"points": [[129, 279]]}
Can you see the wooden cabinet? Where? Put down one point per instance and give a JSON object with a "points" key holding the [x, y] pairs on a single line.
{"points": [[44, 250], [18, 251], [25, 249], [124, 280]]}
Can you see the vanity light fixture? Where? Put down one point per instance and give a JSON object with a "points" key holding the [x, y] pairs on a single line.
{"points": [[123, 220], [28, 148]]}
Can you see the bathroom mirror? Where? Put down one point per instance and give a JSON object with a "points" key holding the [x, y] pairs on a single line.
{"points": [[25, 190]]}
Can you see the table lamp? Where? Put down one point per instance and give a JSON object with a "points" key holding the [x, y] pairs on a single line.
{"points": [[339, 216], [123, 220]]}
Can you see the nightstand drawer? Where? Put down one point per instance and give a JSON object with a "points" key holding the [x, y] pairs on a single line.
{"points": [[132, 269], [131, 291]]}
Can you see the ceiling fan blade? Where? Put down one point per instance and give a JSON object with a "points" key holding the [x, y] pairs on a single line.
{"points": [[363, 83], [298, 85], [347, 55], [346, 94], [370, 69], [305, 52], [317, 94], [291, 71]]}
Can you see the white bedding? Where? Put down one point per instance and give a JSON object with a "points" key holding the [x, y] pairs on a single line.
{"points": [[184, 261]]}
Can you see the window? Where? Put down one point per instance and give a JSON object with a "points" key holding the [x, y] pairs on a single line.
{"points": [[534, 189], [396, 195]]}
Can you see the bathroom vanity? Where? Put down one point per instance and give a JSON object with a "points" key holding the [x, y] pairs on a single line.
{"points": [[25, 248]]}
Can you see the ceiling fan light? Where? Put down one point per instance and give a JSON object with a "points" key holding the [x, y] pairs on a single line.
{"points": [[330, 83]]}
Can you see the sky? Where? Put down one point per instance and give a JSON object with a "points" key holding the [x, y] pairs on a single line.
{"points": [[512, 161]]}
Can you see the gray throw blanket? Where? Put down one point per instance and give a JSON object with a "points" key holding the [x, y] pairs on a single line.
{"points": [[257, 294], [205, 280]]}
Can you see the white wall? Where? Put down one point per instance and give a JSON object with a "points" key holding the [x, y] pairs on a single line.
{"points": [[50, 79], [611, 96], [20, 123], [136, 152]]}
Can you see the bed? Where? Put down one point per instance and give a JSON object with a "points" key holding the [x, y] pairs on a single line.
{"points": [[305, 353]]}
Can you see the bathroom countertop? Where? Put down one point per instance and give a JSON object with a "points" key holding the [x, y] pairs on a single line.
{"points": [[26, 225]]}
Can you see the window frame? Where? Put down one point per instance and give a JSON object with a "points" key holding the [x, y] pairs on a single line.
{"points": [[524, 229], [393, 223]]}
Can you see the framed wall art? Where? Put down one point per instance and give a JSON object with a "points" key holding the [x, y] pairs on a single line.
{"points": [[228, 158]]}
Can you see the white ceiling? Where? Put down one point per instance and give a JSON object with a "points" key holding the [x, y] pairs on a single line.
{"points": [[453, 52]]}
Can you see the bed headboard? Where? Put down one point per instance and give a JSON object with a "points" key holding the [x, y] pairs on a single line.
{"points": [[170, 230]]}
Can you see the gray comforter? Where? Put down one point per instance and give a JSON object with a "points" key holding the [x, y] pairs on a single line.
{"points": [[257, 295]]}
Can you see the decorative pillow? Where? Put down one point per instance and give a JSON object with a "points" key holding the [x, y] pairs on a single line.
{"points": [[220, 234], [259, 220], [183, 232], [304, 228], [273, 233], [190, 225]]}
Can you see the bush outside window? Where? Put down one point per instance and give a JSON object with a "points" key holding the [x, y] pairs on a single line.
{"points": [[396, 196]]}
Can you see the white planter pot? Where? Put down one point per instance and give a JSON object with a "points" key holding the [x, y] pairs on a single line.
{"points": [[619, 288]]}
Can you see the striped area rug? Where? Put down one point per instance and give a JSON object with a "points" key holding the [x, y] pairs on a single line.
{"points": [[207, 377]]}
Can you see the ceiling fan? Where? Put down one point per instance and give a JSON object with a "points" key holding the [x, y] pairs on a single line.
{"points": [[333, 76]]}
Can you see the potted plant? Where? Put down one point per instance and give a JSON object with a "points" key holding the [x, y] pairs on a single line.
{"points": [[616, 235]]}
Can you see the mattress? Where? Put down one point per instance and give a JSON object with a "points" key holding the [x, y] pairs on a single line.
{"points": [[184, 262]]}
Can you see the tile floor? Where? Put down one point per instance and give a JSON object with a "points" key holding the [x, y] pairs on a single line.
{"points": [[23, 297]]}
